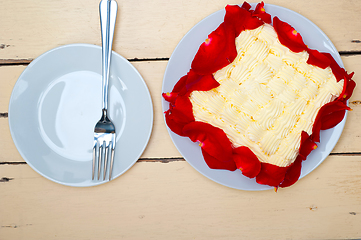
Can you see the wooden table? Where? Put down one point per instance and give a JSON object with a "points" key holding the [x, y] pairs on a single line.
{"points": [[162, 196]]}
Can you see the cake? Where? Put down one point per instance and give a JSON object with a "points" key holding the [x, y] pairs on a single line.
{"points": [[256, 97]]}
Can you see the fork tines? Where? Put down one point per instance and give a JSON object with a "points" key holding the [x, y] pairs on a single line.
{"points": [[103, 152]]}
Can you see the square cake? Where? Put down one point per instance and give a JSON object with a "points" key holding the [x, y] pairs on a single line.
{"points": [[256, 97]]}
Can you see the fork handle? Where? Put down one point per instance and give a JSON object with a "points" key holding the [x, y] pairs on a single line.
{"points": [[108, 14]]}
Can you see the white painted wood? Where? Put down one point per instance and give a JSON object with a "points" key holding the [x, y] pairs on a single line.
{"points": [[146, 29], [155, 200], [173, 201]]}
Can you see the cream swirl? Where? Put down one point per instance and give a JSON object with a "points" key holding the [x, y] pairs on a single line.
{"points": [[274, 62], [244, 41], [267, 115], [261, 73], [239, 74], [254, 132], [268, 35]]}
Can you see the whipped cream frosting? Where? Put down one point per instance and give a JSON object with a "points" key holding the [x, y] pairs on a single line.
{"points": [[267, 96]]}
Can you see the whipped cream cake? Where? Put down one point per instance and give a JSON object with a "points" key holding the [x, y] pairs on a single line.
{"points": [[256, 97], [267, 96]]}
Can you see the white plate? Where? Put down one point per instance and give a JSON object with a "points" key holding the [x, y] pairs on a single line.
{"points": [[180, 62], [56, 103]]}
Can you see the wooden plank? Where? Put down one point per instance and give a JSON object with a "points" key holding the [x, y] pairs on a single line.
{"points": [[29, 28], [160, 144], [347, 143], [9, 76], [174, 201]]}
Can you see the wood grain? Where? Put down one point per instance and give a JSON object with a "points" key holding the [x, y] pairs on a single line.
{"points": [[162, 196], [29, 28], [173, 201]]}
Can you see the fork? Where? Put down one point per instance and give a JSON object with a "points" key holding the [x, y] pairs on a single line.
{"points": [[104, 131]]}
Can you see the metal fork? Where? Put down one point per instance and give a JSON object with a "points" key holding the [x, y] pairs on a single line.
{"points": [[104, 131]]}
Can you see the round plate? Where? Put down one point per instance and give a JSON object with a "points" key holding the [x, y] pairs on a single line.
{"points": [[180, 63], [56, 103]]}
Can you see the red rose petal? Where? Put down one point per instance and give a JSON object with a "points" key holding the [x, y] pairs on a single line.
{"points": [[196, 82], [179, 114], [261, 13], [180, 86], [214, 163], [213, 140], [252, 23], [349, 90], [178, 89], [236, 17], [288, 36], [185, 107], [246, 161], [306, 145], [292, 174], [246, 6], [240, 19], [349, 86], [173, 123], [170, 96], [216, 52], [271, 175], [318, 59], [219, 49], [333, 107], [332, 119], [338, 71], [323, 114], [191, 82]]}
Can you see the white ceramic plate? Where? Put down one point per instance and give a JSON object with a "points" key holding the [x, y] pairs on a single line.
{"points": [[56, 103], [180, 63]]}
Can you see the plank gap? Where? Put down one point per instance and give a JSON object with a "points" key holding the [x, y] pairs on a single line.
{"points": [[346, 154], [357, 102], [162, 160], [180, 159], [349, 53], [147, 59], [16, 62], [5, 179], [13, 163]]}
